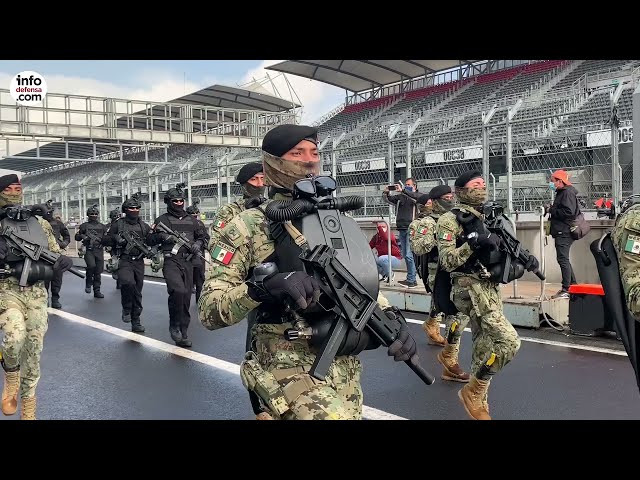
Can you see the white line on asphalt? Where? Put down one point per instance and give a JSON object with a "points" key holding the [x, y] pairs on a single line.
{"points": [[369, 413]]}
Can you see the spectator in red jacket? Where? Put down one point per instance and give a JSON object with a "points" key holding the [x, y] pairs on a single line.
{"points": [[379, 244]]}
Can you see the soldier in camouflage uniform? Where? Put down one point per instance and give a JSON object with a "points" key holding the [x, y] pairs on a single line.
{"points": [[626, 241], [23, 319], [251, 178], [277, 369], [495, 341], [422, 236]]}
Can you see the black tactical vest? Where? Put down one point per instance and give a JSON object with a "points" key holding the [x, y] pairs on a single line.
{"points": [[186, 225], [97, 229], [32, 231], [137, 228]]}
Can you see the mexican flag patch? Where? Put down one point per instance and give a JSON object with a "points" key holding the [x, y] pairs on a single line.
{"points": [[633, 244], [222, 254], [445, 236], [220, 224], [424, 231]]}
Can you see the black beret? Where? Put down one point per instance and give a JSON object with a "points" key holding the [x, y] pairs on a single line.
{"points": [[438, 191], [7, 180], [283, 138], [248, 171], [466, 177], [423, 199]]}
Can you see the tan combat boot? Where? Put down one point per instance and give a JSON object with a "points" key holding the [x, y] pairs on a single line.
{"points": [[472, 398], [431, 326], [10, 392], [448, 357], [28, 408], [264, 416]]}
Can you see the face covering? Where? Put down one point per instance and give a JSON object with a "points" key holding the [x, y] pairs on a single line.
{"points": [[282, 173], [93, 218], [552, 186], [132, 214], [408, 188], [472, 196], [442, 206], [253, 191], [7, 199], [425, 210], [176, 209]]}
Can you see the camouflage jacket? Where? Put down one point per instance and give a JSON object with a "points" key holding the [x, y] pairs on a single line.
{"points": [[447, 232], [422, 234], [626, 241], [222, 218], [243, 243]]}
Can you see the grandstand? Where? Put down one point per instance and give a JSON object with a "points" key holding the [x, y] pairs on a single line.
{"points": [[423, 117]]}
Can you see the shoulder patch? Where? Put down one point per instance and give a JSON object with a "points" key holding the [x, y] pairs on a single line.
{"points": [[222, 253], [633, 244]]}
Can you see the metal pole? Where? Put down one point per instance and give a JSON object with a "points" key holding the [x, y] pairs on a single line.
{"points": [[408, 153], [149, 189], [157, 191], [615, 163], [189, 183], [636, 141], [364, 193], [106, 200], [509, 166], [219, 186], [485, 153], [493, 181], [226, 162], [390, 166]]}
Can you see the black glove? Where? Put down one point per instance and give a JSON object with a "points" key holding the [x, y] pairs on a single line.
{"points": [[254, 202], [532, 264], [404, 346], [4, 250], [120, 241], [63, 244], [196, 248], [63, 263], [484, 240], [163, 237], [297, 286]]}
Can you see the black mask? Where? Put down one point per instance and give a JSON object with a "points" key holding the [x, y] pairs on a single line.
{"points": [[177, 210], [132, 214]]}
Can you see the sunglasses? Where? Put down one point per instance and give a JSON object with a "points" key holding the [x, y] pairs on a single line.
{"points": [[177, 201], [133, 208]]}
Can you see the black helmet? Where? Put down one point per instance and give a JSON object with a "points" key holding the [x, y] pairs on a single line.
{"points": [[134, 201], [93, 210], [174, 193]]}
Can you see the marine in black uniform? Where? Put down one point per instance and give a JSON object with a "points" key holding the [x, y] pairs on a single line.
{"points": [[178, 265], [61, 234], [130, 260], [94, 256]]}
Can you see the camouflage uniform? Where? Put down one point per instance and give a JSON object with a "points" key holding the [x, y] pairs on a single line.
{"points": [[225, 302], [23, 318], [495, 341], [626, 241], [222, 218]]}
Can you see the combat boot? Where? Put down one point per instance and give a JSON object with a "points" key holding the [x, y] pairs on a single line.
{"points": [[136, 326], [28, 408], [97, 294], [431, 326], [126, 317], [176, 336], [472, 398], [87, 289], [448, 357], [55, 303], [184, 341], [10, 392]]}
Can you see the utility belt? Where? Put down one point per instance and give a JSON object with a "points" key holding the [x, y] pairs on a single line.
{"points": [[272, 388]]}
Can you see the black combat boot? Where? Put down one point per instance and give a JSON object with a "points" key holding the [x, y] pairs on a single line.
{"points": [[136, 326]]}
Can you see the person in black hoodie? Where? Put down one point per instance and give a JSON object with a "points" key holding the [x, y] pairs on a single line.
{"points": [[178, 266], [406, 212], [565, 208]]}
